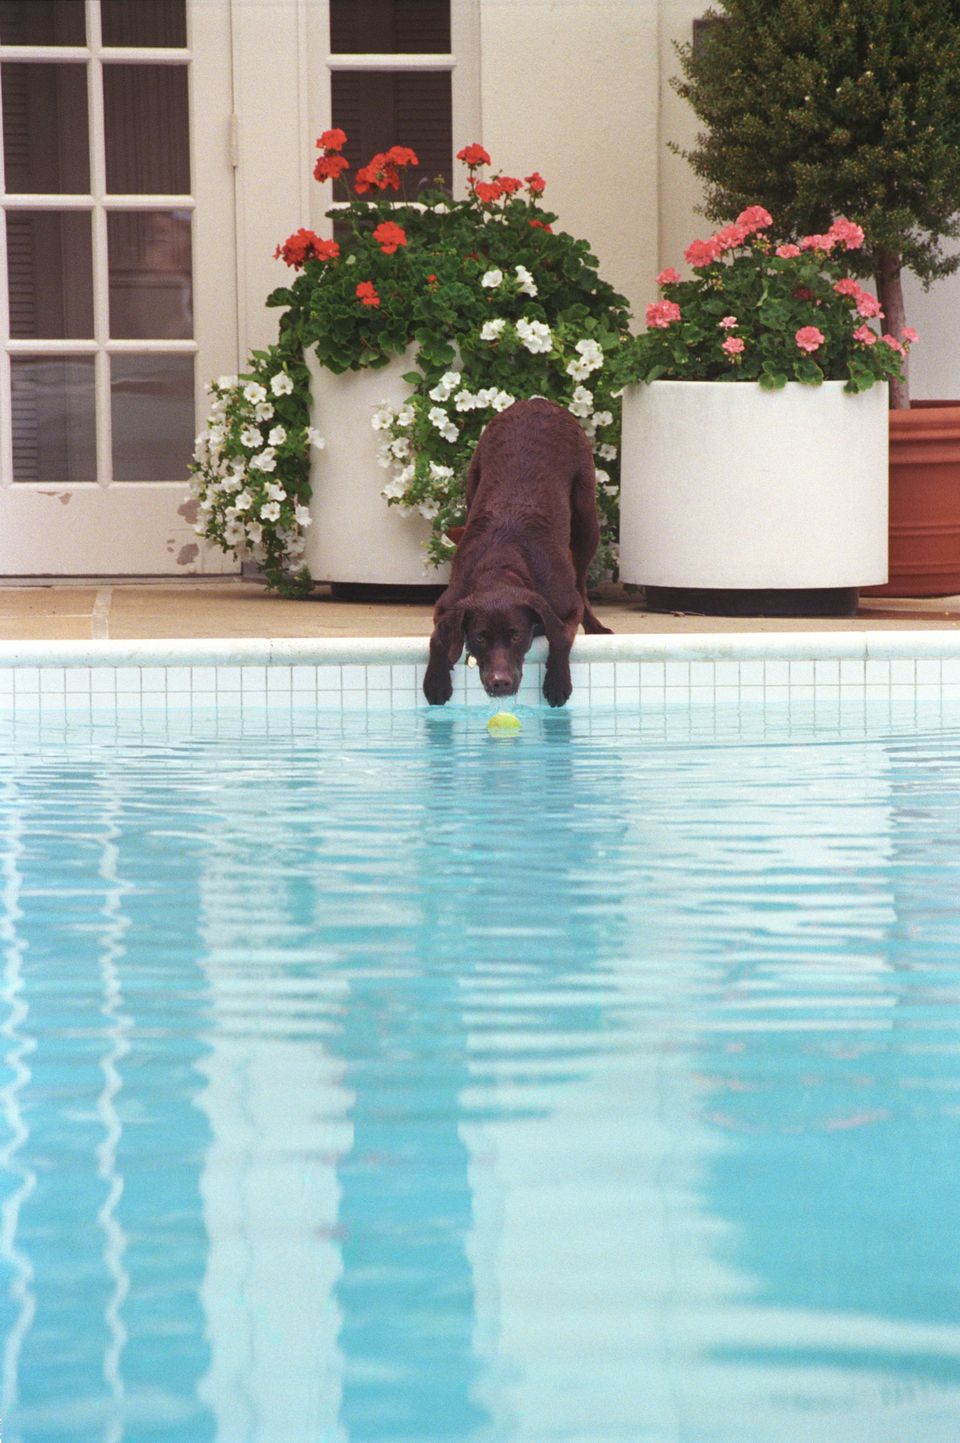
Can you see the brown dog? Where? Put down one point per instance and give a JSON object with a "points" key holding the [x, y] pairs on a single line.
{"points": [[521, 566]]}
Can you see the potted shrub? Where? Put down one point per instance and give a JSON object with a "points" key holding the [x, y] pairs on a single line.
{"points": [[818, 108], [754, 477], [404, 333]]}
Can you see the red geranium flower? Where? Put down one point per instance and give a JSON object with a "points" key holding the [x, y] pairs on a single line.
{"points": [[303, 245], [487, 191], [473, 155], [377, 174], [366, 292], [389, 236], [509, 184], [332, 140], [330, 167], [401, 155], [536, 184], [541, 225]]}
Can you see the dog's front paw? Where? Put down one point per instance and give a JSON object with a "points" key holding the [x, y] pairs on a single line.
{"points": [[437, 685], [557, 685]]}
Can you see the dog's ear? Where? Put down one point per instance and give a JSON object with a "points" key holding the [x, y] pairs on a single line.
{"points": [[553, 627], [449, 626]]}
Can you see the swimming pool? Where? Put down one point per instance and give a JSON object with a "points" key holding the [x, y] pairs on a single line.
{"points": [[366, 1078]]}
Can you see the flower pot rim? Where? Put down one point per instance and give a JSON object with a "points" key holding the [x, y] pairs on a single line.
{"points": [[733, 385]]}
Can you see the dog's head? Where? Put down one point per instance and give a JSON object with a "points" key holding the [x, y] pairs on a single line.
{"points": [[497, 628], [498, 634]]}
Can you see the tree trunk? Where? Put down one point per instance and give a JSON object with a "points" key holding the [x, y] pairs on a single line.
{"points": [[890, 295]]}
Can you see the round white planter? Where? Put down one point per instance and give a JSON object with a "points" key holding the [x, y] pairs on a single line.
{"points": [[354, 536], [726, 486]]}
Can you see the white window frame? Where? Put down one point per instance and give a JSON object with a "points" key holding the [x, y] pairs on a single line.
{"points": [[124, 527]]}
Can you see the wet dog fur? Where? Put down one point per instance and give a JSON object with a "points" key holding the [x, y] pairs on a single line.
{"points": [[520, 568]]}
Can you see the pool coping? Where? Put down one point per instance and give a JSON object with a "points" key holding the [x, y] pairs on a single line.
{"points": [[861, 644]]}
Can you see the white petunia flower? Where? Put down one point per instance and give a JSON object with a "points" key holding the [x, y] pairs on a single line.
{"points": [[382, 417], [242, 501], [270, 511], [603, 477], [502, 400], [486, 397], [429, 509], [255, 532], [400, 448], [446, 386], [528, 285], [394, 489], [275, 491], [578, 369], [465, 401], [438, 417], [281, 384], [491, 279], [254, 393], [263, 412], [603, 418], [406, 415], [251, 438], [535, 335], [315, 439], [266, 461], [492, 330], [607, 453], [226, 383], [302, 514], [277, 436], [581, 402], [591, 352], [440, 473]]}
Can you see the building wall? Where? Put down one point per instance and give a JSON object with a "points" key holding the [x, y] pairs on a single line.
{"points": [[571, 89], [577, 89]]}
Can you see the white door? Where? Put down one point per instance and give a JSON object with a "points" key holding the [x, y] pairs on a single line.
{"points": [[117, 279]]}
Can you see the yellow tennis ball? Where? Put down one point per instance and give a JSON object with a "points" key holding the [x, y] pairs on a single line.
{"points": [[503, 723]]}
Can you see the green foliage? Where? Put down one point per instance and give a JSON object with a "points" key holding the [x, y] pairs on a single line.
{"points": [[814, 108], [756, 311], [429, 278]]}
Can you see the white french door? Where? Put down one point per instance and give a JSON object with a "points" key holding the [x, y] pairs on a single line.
{"points": [[117, 278]]}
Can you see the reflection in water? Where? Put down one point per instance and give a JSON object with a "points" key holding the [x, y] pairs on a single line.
{"points": [[376, 1082]]}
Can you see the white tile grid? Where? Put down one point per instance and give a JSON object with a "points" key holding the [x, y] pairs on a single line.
{"points": [[721, 684]]}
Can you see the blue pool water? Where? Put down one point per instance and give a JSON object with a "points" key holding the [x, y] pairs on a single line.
{"points": [[374, 1081]]}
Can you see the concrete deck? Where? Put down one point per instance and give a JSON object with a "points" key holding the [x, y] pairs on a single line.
{"points": [[226, 608]]}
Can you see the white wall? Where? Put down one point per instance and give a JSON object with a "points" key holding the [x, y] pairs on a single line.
{"points": [[570, 88], [577, 89]]}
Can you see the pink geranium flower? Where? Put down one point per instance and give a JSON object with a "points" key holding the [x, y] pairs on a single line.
{"points": [[788, 252], [808, 338], [728, 323], [733, 346], [868, 305], [730, 237], [865, 335], [894, 344], [669, 277], [661, 314], [754, 218], [702, 253], [909, 335], [847, 233]]}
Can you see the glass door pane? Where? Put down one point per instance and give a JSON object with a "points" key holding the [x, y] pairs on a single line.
{"points": [[98, 356]]}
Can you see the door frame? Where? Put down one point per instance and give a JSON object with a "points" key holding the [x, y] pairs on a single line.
{"points": [[106, 528]]}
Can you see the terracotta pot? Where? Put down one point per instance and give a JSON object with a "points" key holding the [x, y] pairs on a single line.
{"points": [[924, 501]]}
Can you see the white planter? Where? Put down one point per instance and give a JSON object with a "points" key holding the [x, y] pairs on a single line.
{"points": [[726, 486], [354, 536]]}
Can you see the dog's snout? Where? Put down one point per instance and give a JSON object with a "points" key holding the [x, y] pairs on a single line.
{"points": [[500, 682]]}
